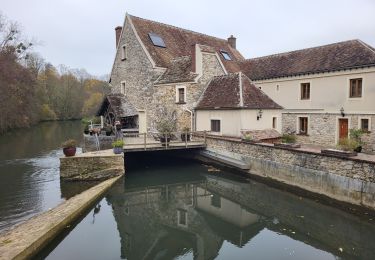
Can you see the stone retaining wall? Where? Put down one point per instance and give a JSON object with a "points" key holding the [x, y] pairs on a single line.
{"points": [[348, 180], [92, 166]]}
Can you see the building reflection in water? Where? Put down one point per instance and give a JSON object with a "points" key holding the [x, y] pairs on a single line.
{"points": [[194, 217]]}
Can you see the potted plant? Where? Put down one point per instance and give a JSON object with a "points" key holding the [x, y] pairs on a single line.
{"points": [[166, 125], [118, 146], [69, 147], [345, 148], [185, 135], [356, 135]]}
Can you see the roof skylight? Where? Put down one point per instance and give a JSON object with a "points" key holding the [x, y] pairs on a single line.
{"points": [[156, 40], [226, 55]]}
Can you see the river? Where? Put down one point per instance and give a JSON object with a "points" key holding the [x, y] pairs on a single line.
{"points": [[29, 169], [172, 207]]}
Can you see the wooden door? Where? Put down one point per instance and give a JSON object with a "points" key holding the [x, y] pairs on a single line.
{"points": [[343, 128]]}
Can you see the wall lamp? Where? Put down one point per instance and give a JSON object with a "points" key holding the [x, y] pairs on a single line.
{"points": [[342, 112], [259, 115]]}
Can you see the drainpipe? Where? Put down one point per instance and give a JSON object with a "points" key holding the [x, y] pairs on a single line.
{"points": [[191, 118]]}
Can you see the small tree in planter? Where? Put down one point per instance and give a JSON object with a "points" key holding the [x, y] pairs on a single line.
{"points": [[356, 135], [118, 146], [69, 147], [166, 125]]}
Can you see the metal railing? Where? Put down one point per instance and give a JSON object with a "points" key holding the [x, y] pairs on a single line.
{"points": [[163, 140]]}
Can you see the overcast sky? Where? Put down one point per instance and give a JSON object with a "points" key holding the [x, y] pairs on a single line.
{"points": [[80, 33]]}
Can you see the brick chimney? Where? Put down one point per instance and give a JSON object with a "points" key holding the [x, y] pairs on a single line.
{"points": [[118, 30], [232, 41]]}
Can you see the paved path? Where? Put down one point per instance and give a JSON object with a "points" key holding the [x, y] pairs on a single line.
{"points": [[26, 239]]}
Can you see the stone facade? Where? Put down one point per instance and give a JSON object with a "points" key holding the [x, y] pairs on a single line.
{"points": [[348, 180], [136, 71], [323, 128], [165, 95]]}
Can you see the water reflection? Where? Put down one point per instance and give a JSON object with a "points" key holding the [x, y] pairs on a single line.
{"points": [[178, 209]]}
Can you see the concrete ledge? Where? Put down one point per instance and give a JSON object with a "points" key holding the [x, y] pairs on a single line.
{"points": [[26, 239]]}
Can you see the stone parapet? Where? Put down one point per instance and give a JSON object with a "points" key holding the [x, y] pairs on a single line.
{"points": [[350, 180], [92, 166]]}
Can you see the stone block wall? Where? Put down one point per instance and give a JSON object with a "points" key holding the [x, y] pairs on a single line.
{"points": [[348, 180], [137, 72], [323, 128], [165, 95], [92, 166]]}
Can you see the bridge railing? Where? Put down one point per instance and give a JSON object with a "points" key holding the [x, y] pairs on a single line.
{"points": [[165, 140]]}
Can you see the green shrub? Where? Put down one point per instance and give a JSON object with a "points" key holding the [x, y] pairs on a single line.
{"points": [[248, 137], [348, 144], [118, 143], [356, 134], [289, 138], [69, 143]]}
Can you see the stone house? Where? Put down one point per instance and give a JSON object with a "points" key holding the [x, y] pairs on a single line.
{"points": [[158, 65], [232, 104], [325, 90]]}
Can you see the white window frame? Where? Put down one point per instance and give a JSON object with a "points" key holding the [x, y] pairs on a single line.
{"points": [[177, 95], [308, 125], [124, 54], [348, 88], [179, 218], [277, 122], [360, 122], [123, 87], [300, 90], [221, 126]]}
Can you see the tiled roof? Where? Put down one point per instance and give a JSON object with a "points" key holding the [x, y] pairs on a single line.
{"points": [[178, 71], [224, 92], [180, 42], [332, 57], [120, 105]]}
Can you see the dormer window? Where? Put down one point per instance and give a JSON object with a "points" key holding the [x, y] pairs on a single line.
{"points": [[123, 52], [225, 55], [156, 40]]}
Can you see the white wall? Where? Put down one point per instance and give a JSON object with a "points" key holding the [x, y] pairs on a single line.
{"points": [[328, 91], [233, 121]]}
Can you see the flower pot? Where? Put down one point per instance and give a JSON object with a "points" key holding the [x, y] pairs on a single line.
{"points": [[184, 137], [108, 133], [358, 149], [69, 151], [117, 150]]}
